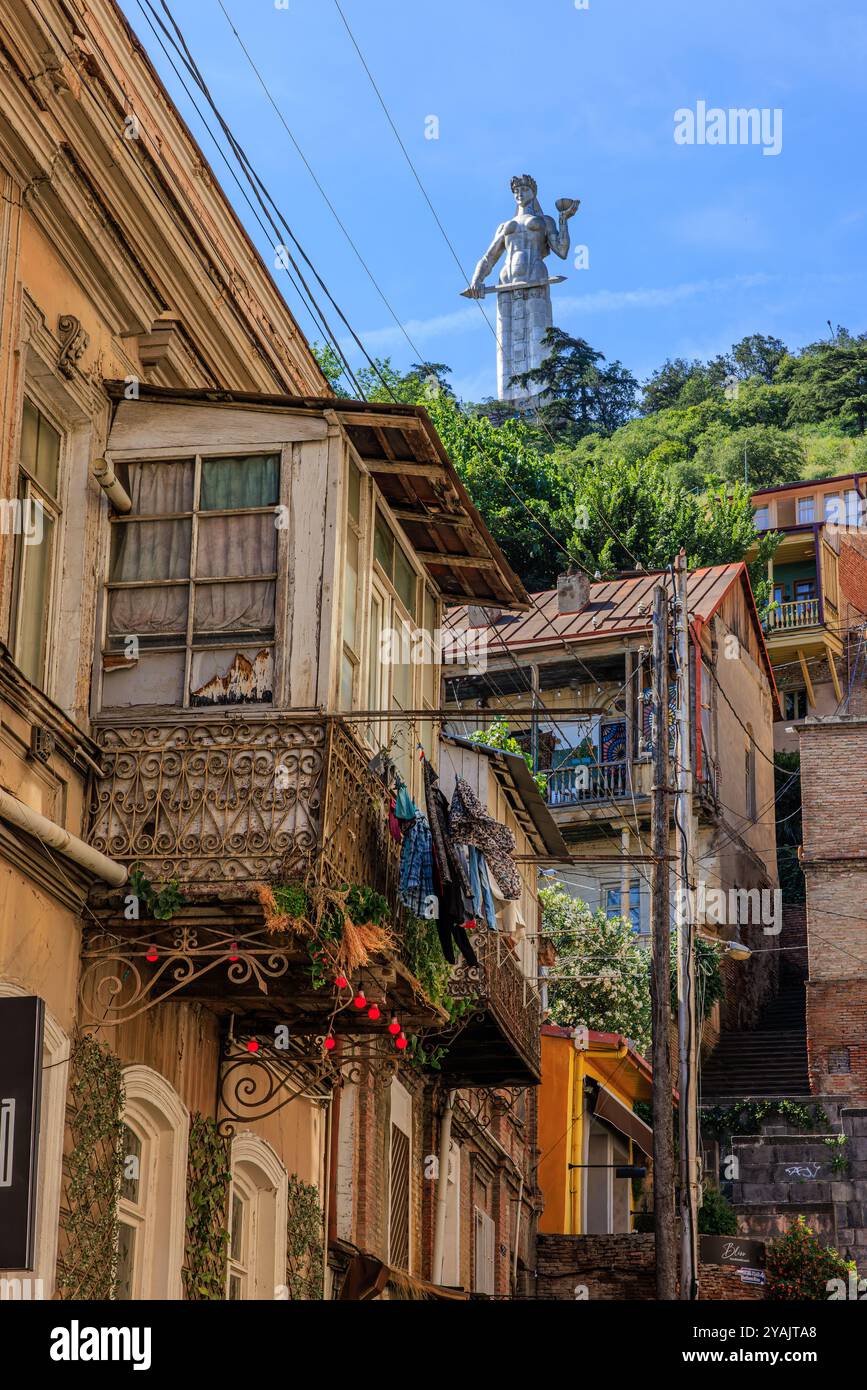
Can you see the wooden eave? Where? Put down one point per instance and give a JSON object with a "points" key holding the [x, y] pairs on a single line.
{"points": [[399, 447]]}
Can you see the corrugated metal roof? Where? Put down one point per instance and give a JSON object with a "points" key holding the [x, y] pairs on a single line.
{"points": [[616, 608]]}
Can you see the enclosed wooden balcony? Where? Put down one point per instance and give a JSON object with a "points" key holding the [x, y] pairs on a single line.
{"points": [[500, 1043]]}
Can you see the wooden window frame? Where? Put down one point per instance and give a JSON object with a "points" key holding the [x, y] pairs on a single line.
{"points": [[53, 506], [281, 451]]}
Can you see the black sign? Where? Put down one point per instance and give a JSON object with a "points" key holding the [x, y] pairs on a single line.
{"points": [[732, 1250], [21, 1026]]}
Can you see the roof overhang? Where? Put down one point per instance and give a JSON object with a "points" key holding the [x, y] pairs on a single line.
{"points": [[399, 447], [527, 802]]}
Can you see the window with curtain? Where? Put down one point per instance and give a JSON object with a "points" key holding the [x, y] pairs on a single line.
{"points": [[192, 580], [36, 518]]}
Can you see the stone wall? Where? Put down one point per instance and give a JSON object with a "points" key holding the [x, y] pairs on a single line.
{"points": [[615, 1268]]}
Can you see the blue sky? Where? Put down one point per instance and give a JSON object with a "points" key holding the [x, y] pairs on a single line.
{"points": [[690, 246]]}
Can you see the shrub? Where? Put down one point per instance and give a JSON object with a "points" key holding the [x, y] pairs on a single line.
{"points": [[798, 1267], [716, 1215]]}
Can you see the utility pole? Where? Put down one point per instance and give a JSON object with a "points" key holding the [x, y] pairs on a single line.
{"points": [[686, 1010], [660, 987]]}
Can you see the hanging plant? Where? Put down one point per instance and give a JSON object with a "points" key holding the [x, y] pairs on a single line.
{"points": [[343, 927], [161, 904], [208, 1180], [305, 1246]]}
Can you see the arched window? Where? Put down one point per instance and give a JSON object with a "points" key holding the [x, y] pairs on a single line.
{"points": [[55, 1075], [152, 1202], [257, 1220]]}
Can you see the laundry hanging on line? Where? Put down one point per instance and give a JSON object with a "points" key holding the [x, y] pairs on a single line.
{"points": [[470, 824]]}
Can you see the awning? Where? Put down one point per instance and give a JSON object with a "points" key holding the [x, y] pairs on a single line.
{"points": [[608, 1108], [368, 1276]]}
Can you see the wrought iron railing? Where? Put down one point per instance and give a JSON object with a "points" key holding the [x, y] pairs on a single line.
{"points": [[574, 786], [222, 801], [499, 985], [802, 612]]}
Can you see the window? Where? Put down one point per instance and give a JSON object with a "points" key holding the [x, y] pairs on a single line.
{"points": [[351, 655], [399, 1170], [484, 1252], [750, 776], [451, 1272], [35, 525], [761, 518], [132, 1213], [854, 508], [833, 508], [256, 1263], [192, 582], [152, 1198], [612, 900], [806, 509], [796, 704], [389, 555]]}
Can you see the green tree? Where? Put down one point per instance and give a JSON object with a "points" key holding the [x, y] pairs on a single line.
{"points": [[579, 395], [830, 381], [765, 454], [638, 514], [758, 355], [607, 986]]}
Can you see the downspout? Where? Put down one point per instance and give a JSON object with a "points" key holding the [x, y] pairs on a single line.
{"points": [[54, 836], [517, 1234], [438, 1259]]}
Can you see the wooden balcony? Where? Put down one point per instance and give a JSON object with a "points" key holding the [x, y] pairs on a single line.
{"points": [[500, 1043], [792, 616], [579, 786]]}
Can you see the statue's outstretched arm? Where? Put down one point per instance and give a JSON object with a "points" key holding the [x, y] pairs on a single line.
{"points": [[489, 260], [558, 236]]}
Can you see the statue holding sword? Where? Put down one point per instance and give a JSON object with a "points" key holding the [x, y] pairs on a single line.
{"points": [[524, 287]]}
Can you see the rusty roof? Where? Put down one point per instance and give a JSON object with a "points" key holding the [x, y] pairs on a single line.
{"points": [[619, 607]]}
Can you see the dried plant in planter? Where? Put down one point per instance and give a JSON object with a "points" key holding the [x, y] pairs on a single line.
{"points": [[344, 927]]}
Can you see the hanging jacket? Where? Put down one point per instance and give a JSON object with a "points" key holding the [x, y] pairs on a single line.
{"points": [[455, 894], [416, 868], [470, 824]]}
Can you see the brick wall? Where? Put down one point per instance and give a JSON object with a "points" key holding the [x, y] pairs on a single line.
{"points": [[618, 1267], [834, 795], [837, 1037]]}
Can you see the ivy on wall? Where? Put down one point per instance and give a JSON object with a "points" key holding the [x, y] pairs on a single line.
{"points": [[305, 1248], [92, 1167], [208, 1180]]}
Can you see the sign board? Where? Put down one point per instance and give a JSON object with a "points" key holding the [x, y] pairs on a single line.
{"points": [[21, 1029], [732, 1250], [752, 1276]]}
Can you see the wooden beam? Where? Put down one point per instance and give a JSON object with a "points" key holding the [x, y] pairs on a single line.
{"points": [[834, 677], [437, 557], [457, 519], [379, 420], [409, 470], [805, 672]]}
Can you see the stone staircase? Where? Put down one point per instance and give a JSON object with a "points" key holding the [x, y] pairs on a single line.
{"points": [[769, 1061]]}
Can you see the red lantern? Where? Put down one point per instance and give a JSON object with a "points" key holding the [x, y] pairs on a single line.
{"points": [[252, 1045], [341, 982], [233, 951], [373, 1012], [360, 1001], [152, 953], [330, 1043], [394, 1026], [401, 1042]]}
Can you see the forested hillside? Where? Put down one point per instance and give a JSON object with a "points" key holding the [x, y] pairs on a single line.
{"points": [[612, 475]]}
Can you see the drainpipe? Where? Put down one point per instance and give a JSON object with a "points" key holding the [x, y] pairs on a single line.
{"points": [[517, 1234], [442, 1190], [111, 486], [54, 836]]}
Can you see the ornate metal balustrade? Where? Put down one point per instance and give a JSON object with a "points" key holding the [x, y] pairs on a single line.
{"points": [[501, 990], [215, 801]]}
